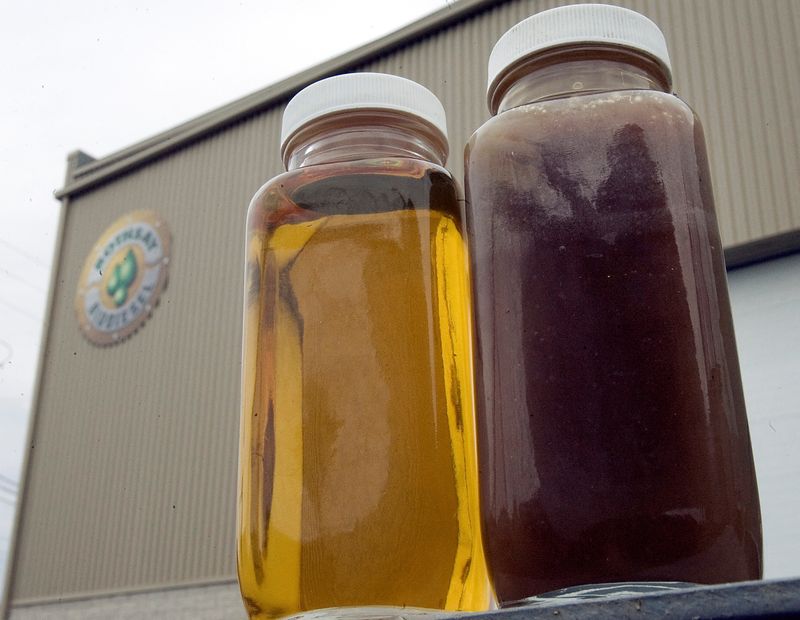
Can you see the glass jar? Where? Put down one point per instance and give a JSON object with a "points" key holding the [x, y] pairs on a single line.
{"points": [[358, 480], [613, 439]]}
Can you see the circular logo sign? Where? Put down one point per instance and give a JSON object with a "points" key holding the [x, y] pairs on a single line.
{"points": [[123, 277]]}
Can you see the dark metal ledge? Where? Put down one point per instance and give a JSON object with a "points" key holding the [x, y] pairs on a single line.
{"points": [[763, 249], [752, 599]]}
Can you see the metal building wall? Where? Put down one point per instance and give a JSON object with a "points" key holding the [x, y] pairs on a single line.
{"points": [[132, 475], [734, 61], [132, 467]]}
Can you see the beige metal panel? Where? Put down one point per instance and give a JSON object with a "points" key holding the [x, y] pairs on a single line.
{"points": [[738, 75], [734, 61], [124, 434], [132, 478]]}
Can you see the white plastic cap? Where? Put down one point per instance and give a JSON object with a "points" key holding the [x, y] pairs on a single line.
{"points": [[361, 91], [578, 23]]}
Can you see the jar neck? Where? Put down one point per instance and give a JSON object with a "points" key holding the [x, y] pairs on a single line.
{"points": [[353, 135], [574, 71]]}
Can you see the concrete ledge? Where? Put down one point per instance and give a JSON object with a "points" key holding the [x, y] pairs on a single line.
{"points": [[215, 602]]}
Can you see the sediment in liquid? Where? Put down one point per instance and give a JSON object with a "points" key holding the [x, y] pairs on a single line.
{"points": [[613, 436]]}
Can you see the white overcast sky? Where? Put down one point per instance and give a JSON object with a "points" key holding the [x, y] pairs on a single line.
{"points": [[99, 75]]}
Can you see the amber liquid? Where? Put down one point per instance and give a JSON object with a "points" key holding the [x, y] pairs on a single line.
{"points": [[358, 475], [613, 439]]}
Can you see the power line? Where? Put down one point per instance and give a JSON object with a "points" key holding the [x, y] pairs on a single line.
{"points": [[14, 276], [4, 357], [21, 311], [8, 480], [28, 255]]}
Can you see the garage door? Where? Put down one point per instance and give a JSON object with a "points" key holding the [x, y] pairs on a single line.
{"points": [[766, 312]]}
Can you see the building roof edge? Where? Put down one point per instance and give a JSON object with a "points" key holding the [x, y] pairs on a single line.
{"points": [[95, 172]]}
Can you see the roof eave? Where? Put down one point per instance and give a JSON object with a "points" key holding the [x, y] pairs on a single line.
{"points": [[93, 173]]}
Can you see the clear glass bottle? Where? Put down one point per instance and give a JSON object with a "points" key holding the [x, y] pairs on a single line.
{"points": [[358, 480], [613, 439]]}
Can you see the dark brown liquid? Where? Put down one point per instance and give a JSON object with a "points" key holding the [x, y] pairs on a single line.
{"points": [[613, 441]]}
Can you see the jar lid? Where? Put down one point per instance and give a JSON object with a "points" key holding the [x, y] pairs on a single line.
{"points": [[578, 23], [361, 91]]}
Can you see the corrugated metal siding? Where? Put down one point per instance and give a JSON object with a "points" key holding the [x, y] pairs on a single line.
{"points": [[734, 61], [132, 478]]}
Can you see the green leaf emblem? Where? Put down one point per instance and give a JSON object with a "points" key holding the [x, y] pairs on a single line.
{"points": [[122, 277]]}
